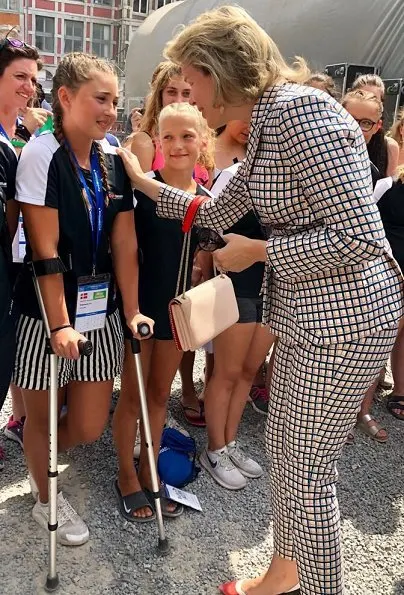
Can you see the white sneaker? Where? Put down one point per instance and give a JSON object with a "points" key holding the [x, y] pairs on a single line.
{"points": [[71, 530], [222, 469], [248, 467]]}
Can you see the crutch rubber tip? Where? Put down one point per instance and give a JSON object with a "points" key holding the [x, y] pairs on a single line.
{"points": [[163, 547], [52, 583]]}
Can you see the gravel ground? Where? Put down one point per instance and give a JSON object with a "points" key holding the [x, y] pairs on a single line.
{"points": [[231, 538]]}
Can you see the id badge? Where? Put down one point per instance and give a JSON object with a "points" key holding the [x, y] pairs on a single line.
{"points": [[92, 299], [22, 242]]}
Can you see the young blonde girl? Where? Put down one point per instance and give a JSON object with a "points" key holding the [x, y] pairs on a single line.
{"points": [[167, 86], [183, 135]]}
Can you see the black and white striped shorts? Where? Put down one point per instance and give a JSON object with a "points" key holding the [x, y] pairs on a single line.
{"points": [[31, 370]]}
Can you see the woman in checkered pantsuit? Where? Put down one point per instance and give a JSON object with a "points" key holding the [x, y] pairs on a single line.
{"points": [[333, 292]]}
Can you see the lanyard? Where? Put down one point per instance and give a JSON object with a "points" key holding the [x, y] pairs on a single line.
{"points": [[3, 132], [15, 142], [96, 206]]}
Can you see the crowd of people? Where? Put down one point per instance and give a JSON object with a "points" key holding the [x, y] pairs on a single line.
{"points": [[306, 190]]}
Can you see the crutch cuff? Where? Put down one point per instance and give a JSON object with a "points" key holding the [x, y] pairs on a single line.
{"points": [[48, 266]]}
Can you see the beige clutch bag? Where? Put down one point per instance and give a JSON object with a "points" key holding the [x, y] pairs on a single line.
{"points": [[203, 312]]}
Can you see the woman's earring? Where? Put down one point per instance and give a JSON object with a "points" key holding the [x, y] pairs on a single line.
{"points": [[221, 110]]}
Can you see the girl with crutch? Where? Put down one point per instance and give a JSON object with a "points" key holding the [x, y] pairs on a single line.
{"points": [[77, 205]]}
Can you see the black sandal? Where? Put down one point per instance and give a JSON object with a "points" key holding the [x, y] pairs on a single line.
{"points": [[131, 503], [170, 514], [396, 402]]}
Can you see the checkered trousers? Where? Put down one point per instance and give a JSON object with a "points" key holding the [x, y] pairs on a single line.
{"points": [[316, 393]]}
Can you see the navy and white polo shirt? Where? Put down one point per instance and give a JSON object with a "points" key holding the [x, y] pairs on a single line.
{"points": [[46, 178]]}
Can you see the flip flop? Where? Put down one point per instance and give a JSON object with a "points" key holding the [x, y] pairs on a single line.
{"points": [[131, 503], [199, 421], [169, 514], [396, 402]]}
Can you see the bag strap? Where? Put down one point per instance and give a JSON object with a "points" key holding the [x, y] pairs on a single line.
{"points": [[187, 224], [185, 254], [192, 211]]}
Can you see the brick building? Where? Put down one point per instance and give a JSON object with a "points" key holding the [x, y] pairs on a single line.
{"points": [[102, 27]]}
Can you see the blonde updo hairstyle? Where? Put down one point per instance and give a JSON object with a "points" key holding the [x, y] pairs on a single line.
{"points": [[369, 80], [227, 44], [207, 155], [363, 96]]}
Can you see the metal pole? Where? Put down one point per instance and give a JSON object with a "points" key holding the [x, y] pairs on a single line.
{"points": [[163, 546]]}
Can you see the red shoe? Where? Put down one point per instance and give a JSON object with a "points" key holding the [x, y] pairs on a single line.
{"points": [[235, 588], [232, 588]]}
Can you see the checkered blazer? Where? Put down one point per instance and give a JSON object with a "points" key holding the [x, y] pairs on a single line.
{"points": [[330, 275]]}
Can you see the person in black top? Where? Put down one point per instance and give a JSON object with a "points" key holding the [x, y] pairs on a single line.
{"points": [[182, 134], [77, 205], [391, 207], [18, 72]]}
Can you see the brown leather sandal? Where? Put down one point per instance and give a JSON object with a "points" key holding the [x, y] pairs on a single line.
{"points": [[369, 426]]}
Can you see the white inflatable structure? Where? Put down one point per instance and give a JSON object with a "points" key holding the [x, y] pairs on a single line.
{"points": [[323, 31]]}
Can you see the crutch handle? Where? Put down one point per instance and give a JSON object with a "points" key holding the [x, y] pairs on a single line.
{"points": [[144, 330], [85, 348]]}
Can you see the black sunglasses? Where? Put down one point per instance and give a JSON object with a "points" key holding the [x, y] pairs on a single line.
{"points": [[209, 240], [365, 124]]}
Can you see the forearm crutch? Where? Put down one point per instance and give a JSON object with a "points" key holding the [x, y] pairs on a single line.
{"points": [[38, 269], [144, 331]]}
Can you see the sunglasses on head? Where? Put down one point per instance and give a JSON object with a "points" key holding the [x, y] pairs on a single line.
{"points": [[209, 240], [11, 41]]}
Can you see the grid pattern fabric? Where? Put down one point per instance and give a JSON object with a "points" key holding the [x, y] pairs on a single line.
{"points": [[331, 276], [316, 392]]}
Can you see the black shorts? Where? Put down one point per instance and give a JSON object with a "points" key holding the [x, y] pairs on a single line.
{"points": [[250, 309]]}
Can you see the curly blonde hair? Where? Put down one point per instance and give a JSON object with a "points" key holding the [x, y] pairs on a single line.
{"points": [[227, 44]]}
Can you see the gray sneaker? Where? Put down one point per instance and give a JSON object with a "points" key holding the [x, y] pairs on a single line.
{"points": [[222, 469], [71, 530], [247, 466]]}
